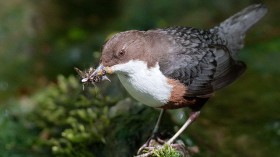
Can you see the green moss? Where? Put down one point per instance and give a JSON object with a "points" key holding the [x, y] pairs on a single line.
{"points": [[166, 151]]}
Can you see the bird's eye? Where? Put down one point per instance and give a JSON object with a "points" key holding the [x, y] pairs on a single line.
{"points": [[121, 53]]}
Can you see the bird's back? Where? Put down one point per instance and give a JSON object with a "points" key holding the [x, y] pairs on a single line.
{"points": [[204, 60]]}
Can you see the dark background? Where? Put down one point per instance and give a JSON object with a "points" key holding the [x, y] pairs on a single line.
{"points": [[40, 40]]}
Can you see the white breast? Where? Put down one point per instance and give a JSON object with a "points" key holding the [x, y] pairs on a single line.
{"points": [[147, 85]]}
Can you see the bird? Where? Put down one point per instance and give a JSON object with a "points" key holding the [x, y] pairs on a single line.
{"points": [[176, 67]]}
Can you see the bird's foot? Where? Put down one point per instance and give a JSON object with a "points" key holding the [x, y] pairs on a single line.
{"points": [[156, 143], [149, 144]]}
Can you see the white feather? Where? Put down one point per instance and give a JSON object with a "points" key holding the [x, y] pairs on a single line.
{"points": [[147, 85]]}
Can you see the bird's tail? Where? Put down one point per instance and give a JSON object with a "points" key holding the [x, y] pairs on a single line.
{"points": [[234, 28]]}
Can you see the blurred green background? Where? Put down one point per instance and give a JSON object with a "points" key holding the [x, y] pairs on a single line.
{"points": [[44, 111]]}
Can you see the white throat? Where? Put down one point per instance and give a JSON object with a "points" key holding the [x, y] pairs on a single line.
{"points": [[147, 85]]}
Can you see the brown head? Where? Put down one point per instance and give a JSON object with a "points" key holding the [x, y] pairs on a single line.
{"points": [[123, 47], [146, 46]]}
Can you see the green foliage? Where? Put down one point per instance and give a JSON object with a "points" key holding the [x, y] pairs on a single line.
{"points": [[70, 121], [15, 139], [41, 39], [166, 151]]}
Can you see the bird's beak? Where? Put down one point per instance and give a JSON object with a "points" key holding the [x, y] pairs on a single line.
{"points": [[102, 71]]}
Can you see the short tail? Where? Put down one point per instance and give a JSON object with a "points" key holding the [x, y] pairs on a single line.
{"points": [[234, 28]]}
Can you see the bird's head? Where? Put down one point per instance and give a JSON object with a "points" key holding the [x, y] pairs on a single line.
{"points": [[122, 50]]}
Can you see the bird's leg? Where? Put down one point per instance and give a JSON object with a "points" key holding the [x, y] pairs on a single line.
{"points": [[155, 131], [192, 117], [177, 145], [158, 122]]}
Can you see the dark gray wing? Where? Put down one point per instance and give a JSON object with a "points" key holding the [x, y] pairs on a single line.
{"points": [[200, 61]]}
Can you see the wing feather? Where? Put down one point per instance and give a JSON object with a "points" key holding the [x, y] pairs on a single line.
{"points": [[204, 65]]}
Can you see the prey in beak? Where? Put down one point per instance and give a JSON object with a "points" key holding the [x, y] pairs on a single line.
{"points": [[94, 75]]}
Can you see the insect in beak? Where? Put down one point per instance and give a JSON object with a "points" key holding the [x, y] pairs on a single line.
{"points": [[93, 75]]}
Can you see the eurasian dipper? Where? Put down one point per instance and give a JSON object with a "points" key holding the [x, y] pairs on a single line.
{"points": [[178, 67]]}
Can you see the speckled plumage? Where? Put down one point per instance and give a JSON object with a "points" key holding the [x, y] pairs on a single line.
{"points": [[206, 59], [178, 67], [201, 60]]}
